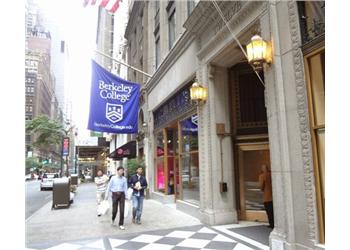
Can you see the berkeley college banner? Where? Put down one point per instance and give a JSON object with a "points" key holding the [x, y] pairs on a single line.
{"points": [[113, 103]]}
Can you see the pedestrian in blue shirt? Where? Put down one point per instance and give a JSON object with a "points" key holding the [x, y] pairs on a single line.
{"points": [[138, 183], [119, 187]]}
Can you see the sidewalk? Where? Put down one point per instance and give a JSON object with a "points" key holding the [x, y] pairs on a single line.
{"points": [[163, 227], [81, 222]]}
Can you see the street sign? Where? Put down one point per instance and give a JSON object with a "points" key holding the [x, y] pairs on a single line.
{"points": [[65, 147]]}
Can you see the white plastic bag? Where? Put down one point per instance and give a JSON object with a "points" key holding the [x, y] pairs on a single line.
{"points": [[127, 209], [103, 207], [129, 193]]}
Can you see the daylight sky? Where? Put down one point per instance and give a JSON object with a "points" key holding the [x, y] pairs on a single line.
{"points": [[78, 25]]}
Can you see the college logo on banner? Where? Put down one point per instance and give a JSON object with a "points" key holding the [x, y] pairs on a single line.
{"points": [[113, 103], [114, 112]]}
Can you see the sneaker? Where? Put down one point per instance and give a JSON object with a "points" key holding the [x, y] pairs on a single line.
{"points": [[122, 227], [138, 222], [133, 220], [112, 223]]}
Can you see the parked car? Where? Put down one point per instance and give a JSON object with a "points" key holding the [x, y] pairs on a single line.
{"points": [[47, 180], [31, 176]]}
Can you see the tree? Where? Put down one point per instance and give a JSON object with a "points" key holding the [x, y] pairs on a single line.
{"points": [[48, 132], [33, 162], [133, 165]]}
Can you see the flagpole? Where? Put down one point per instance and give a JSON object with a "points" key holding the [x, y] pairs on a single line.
{"points": [[127, 65]]}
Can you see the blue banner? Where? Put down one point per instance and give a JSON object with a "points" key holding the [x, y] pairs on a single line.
{"points": [[114, 103]]}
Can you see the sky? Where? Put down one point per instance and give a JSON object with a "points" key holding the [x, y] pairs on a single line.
{"points": [[78, 26]]}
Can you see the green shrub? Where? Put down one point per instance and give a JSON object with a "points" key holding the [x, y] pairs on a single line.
{"points": [[133, 165]]}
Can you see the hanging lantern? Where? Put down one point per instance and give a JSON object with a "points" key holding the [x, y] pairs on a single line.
{"points": [[258, 52], [198, 92]]}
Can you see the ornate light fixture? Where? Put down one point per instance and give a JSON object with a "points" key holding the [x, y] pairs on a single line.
{"points": [[198, 92], [259, 52]]}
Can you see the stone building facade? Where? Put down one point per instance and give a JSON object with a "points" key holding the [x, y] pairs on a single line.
{"points": [[279, 123]]}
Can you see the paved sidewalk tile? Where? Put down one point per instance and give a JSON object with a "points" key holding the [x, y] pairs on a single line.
{"points": [[194, 237]]}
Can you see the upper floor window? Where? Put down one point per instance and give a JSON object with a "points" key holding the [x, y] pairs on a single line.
{"points": [[157, 52], [312, 19], [62, 46], [190, 6], [171, 23]]}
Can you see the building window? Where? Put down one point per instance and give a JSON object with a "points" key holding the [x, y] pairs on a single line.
{"points": [[32, 89], [30, 109], [171, 23], [190, 160], [160, 177], [157, 52], [27, 108], [156, 6], [156, 17], [190, 6], [62, 46], [315, 74], [177, 167], [312, 19]]}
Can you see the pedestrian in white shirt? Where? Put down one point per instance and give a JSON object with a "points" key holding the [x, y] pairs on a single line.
{"points": [[119, 187], [101, 183]]}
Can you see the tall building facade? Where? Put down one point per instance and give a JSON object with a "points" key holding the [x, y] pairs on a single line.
{"points": [[196, 150], [39, 80]]}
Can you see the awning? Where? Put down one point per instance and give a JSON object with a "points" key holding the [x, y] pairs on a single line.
{"points": [[128, 150]]}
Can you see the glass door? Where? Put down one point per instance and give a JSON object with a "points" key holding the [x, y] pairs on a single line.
{"points": [[251, 159]]}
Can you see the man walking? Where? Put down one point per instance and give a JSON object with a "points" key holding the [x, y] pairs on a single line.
{"points": [[138, 183], [119, 187], [101, 183]]}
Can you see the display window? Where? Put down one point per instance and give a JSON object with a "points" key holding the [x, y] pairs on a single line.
{"points": [[177, 163]]}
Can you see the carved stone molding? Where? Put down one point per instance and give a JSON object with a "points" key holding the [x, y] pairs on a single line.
{"points": [[302, 109], [233, 22]]}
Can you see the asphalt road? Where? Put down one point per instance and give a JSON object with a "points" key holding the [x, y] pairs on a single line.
{"points": [[35, 198]]}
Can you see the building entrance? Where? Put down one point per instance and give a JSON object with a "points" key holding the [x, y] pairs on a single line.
{"points": [[250, 137], [251, 158]]}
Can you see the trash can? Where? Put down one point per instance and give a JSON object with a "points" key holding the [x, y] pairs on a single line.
{"points": [[61, 192], [74, 179]]}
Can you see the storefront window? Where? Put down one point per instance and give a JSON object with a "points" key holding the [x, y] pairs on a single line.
{"points": [[189, 158], [189, 134], [160, 180], [177, 164], [190, 178], [173, 148]]}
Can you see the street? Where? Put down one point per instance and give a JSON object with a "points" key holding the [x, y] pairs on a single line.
{"points": [[35, 198]]}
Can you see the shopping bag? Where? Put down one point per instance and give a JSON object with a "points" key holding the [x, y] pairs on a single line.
{"points": [[103, 207], [127, 209], [129, 193]]}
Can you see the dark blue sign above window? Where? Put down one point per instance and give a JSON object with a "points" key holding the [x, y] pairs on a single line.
{"points": [[175, 107]]}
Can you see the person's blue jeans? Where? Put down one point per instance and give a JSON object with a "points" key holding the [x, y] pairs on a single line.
{"points": [[137, 205]]}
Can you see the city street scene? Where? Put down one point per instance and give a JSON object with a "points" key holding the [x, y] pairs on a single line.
{"points": [[195, 124]]}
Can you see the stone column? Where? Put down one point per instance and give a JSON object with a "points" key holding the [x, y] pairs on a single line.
{"points": [[215, 207], [290, 145]]}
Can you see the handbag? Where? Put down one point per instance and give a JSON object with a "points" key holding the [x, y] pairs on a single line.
{"points": [[103, 207]]}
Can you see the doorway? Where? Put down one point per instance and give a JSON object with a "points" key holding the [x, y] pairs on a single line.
{"points": [[250, 137], [251, 157]]}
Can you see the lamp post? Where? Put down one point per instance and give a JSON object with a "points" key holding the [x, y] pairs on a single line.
{"points": [[259, 52], [198, 93]]}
